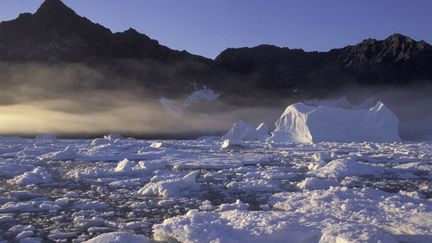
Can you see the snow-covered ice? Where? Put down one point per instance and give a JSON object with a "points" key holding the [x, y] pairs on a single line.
{"points": [[119, 189]]}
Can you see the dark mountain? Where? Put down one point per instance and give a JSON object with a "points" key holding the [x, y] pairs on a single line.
{"points": [[55, 35], [396, 60]]}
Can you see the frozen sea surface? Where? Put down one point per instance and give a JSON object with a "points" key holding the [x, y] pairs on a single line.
{"points": [[197, 191]]}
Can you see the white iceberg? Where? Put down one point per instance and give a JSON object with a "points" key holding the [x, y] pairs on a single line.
{"points": [[302, 123], [242, 131]]}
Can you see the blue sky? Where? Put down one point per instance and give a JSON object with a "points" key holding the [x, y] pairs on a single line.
{"points": [[207, 27]]}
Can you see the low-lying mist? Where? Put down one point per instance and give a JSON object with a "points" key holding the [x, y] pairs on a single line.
{"points": [[75, 100], [125, 115]]}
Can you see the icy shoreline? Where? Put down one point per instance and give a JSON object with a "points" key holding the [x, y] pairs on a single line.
{"points": [[75, 190]]}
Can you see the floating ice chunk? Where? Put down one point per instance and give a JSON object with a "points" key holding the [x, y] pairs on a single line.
{"points": [[24, 195], [341, 168], [92, 205], [156, 145], [35, 177], [20, 228], [232, 144], [49, 206], [125, 166], [58, 236], [62, 201], [302, 123], [31, 240], [206, 206], [151, 165], [119, 237], [134, 225], [113, 137], [238, 205], [252, 184], [242, 131], [5, 219], [29, 206], [24, 234], [99, 141], [68, 153], [234, 226], [317, 184], [345, 233], [13, 169], [172, 187], [46, 136]]}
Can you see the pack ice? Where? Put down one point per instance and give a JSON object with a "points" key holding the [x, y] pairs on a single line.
{"points": [[314, 122], [116, 189]]}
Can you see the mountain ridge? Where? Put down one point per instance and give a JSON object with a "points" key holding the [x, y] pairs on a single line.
{"points": [[57, 34]]}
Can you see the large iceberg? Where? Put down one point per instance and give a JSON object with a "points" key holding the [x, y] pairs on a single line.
{"points": [[308, 123]]}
